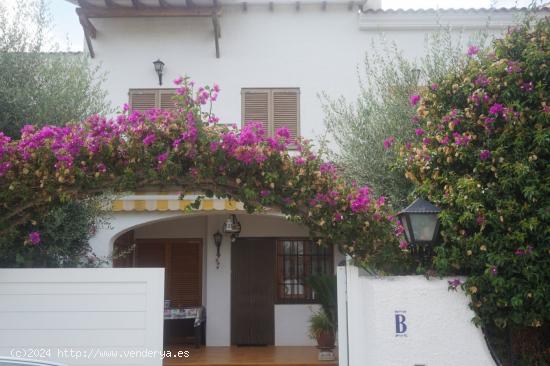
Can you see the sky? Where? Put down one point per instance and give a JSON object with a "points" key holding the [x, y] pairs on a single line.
{"points": [[66, 31]]}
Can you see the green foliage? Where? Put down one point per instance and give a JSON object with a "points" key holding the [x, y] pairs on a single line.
{"points": [[484, 158], [320, 322], [38, 87], [324, 287], [383, 110], [64, 231]]}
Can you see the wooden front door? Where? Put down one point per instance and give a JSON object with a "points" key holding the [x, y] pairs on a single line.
{"points": [[252, 292]]}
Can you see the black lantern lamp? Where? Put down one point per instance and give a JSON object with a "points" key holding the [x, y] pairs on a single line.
{"points": [[421, 223], [218, 242], [159, 66], [232, 226]]}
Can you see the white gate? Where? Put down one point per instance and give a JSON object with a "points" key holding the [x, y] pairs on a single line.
{"points": [[92, 316]]}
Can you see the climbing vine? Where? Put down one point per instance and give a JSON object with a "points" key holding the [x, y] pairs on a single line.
{"points": [[190, 149]]}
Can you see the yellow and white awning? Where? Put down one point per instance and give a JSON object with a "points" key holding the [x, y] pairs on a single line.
{"points": [[172, 202]]}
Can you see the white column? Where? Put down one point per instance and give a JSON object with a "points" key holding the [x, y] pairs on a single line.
{"points": [[218, 286]]}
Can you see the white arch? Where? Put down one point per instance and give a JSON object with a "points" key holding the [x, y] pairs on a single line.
{"points": [[121, 222]]}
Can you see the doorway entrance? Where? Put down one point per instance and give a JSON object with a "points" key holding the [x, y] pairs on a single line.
{"points": [[252, 292]]}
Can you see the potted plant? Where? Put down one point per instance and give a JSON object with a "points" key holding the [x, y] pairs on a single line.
{"points": [[322, 330], [323, 324]]}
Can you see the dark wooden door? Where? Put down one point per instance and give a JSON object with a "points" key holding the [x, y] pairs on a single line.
{"points": [[252, 292]]}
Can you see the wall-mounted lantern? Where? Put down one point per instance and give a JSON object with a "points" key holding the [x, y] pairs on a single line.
{"points": [[159, 66], [232, 226], [218, 237], [421, 223]]}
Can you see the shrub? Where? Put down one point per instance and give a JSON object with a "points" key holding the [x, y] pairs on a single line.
{"points": [[483, 155]]}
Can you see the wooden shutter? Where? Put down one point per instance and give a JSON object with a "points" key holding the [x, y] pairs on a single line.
{"points": [[186, 273], [286, 104], [255, 107], [167, 99], [150, 254], [142, 100]]}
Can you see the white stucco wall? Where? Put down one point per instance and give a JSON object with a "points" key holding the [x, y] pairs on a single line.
{"points": [[291, 321], [312, 49], [439, 327]]}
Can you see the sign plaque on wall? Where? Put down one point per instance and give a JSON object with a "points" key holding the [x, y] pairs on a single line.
{"points": [[401, 323]]}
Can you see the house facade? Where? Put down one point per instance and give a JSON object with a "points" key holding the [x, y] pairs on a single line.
{"points": [[271, 59]]}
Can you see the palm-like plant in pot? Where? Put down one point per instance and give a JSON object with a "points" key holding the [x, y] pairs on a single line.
{"points": [[323, 324]]}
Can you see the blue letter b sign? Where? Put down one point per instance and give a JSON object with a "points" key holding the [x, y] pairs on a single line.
{"points": [[400, 325]]}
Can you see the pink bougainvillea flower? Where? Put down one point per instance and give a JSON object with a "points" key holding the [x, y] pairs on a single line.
{"points": [[414, 99], [472, 50], [403, 245], [34, 238], [389, 142], [149, 139], [496, 108], [264, 193], [419, 132], [178, 81], [494, 271], [125, 107], [338, 217], [513, 67], [434, 86], [453, 284], [484, 154], [161, 158]]}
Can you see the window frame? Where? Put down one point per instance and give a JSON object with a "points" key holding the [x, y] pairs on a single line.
{"points": [[307, 260], [157, 91], [270, 111]]}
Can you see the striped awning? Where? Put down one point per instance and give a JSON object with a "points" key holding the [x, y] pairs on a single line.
{"points": [[172, 202]]}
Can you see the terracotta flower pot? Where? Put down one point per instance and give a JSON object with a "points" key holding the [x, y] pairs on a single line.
{"points": [[325, 340]]}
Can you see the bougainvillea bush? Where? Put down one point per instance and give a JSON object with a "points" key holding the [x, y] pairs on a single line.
{"points": [[189, 149], [482, 154]]}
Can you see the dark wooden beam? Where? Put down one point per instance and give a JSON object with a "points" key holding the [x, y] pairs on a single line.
{"points": [[216, 25], [85, 22], [89, 31], [127, 12]]}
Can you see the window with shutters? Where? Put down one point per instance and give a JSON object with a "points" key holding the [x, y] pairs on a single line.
{"points": [[274, 108], [144, 99], [297, 259]]}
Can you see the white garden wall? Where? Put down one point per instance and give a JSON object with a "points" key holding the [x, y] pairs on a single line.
{"points": [[406, 321], [92, 316]]}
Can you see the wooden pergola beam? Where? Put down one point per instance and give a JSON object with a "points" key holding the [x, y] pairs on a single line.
{"points": [[127, 12], [89, 31], [216, 24]]}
